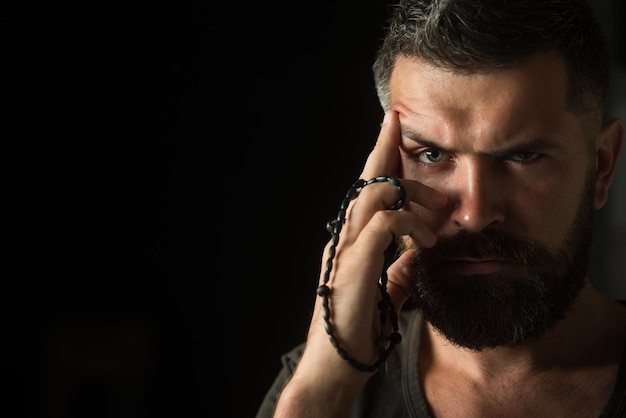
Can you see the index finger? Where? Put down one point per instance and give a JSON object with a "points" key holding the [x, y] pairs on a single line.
{"points": [[384, 159]]}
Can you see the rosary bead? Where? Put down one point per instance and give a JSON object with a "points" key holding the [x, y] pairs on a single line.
{"points": [[395, 338], [387, 310], [323, 290]]}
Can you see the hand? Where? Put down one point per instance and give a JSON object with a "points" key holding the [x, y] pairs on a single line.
{"points": [[368, 231]]}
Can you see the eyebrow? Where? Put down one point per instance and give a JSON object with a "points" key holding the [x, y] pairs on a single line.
{"points": [[533, 144]]}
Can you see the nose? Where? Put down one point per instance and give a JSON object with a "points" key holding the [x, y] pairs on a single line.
{"points": [[478, 194]]}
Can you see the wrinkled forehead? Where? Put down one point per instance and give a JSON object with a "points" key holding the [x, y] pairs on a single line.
{"points": [[543, 78], [528, 99]]}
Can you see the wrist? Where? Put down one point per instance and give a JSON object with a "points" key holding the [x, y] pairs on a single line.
{"points": [[322, 385], [317, 395]]}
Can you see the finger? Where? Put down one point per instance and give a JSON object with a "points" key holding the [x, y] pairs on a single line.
{"points": [[384, 159], [424, 195], [399, 279], [381, 196], [360, 264], [384, 226], [372, 198]]}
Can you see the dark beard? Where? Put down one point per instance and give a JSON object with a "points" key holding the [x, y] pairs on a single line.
{"points": [[509, 307]]}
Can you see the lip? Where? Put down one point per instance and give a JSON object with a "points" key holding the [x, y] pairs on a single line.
{"points": [[473, 267]]}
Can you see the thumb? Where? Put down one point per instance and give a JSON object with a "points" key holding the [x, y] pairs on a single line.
{"points": [[399, 282]]}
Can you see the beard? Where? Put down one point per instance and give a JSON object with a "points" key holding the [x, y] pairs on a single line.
{"points": [[509, 307]]}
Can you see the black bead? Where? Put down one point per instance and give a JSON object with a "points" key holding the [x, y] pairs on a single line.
{"points": [[323, 290], [395, 338], [383, 305]]}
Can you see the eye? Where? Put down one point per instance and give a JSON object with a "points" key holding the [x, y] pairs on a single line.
{"points": [[524, 156], [430, 156]]}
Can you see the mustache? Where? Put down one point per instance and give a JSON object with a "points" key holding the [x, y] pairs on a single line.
{"points": [[485, 244]]}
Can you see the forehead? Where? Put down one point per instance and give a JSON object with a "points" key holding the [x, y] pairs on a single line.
{"points": [[529, 99]]}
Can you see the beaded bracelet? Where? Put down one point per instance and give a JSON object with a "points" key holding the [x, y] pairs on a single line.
{"points": [[386, 307]]}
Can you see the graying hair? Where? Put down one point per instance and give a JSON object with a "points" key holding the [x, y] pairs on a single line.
{"points": [[470, 36]]}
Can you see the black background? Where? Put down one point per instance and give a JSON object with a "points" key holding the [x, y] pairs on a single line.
{"points": [[166, 175]]}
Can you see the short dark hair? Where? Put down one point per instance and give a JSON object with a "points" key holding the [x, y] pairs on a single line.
{"points": [[469, 36]]}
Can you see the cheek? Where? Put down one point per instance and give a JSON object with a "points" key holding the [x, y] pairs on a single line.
{"points": [[545, 211], [542, 211]]}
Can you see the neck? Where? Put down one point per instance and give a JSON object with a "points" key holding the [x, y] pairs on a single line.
{"points": [[570, 371]]}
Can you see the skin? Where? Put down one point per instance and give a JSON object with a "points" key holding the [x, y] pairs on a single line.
{"points": [[494, 172]]}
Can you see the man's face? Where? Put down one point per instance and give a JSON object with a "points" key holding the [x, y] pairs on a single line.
{"points": [[517, 168], [534, 289]]}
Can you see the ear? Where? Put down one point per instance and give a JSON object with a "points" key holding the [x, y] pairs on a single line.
{"points": [[608, 148]]}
